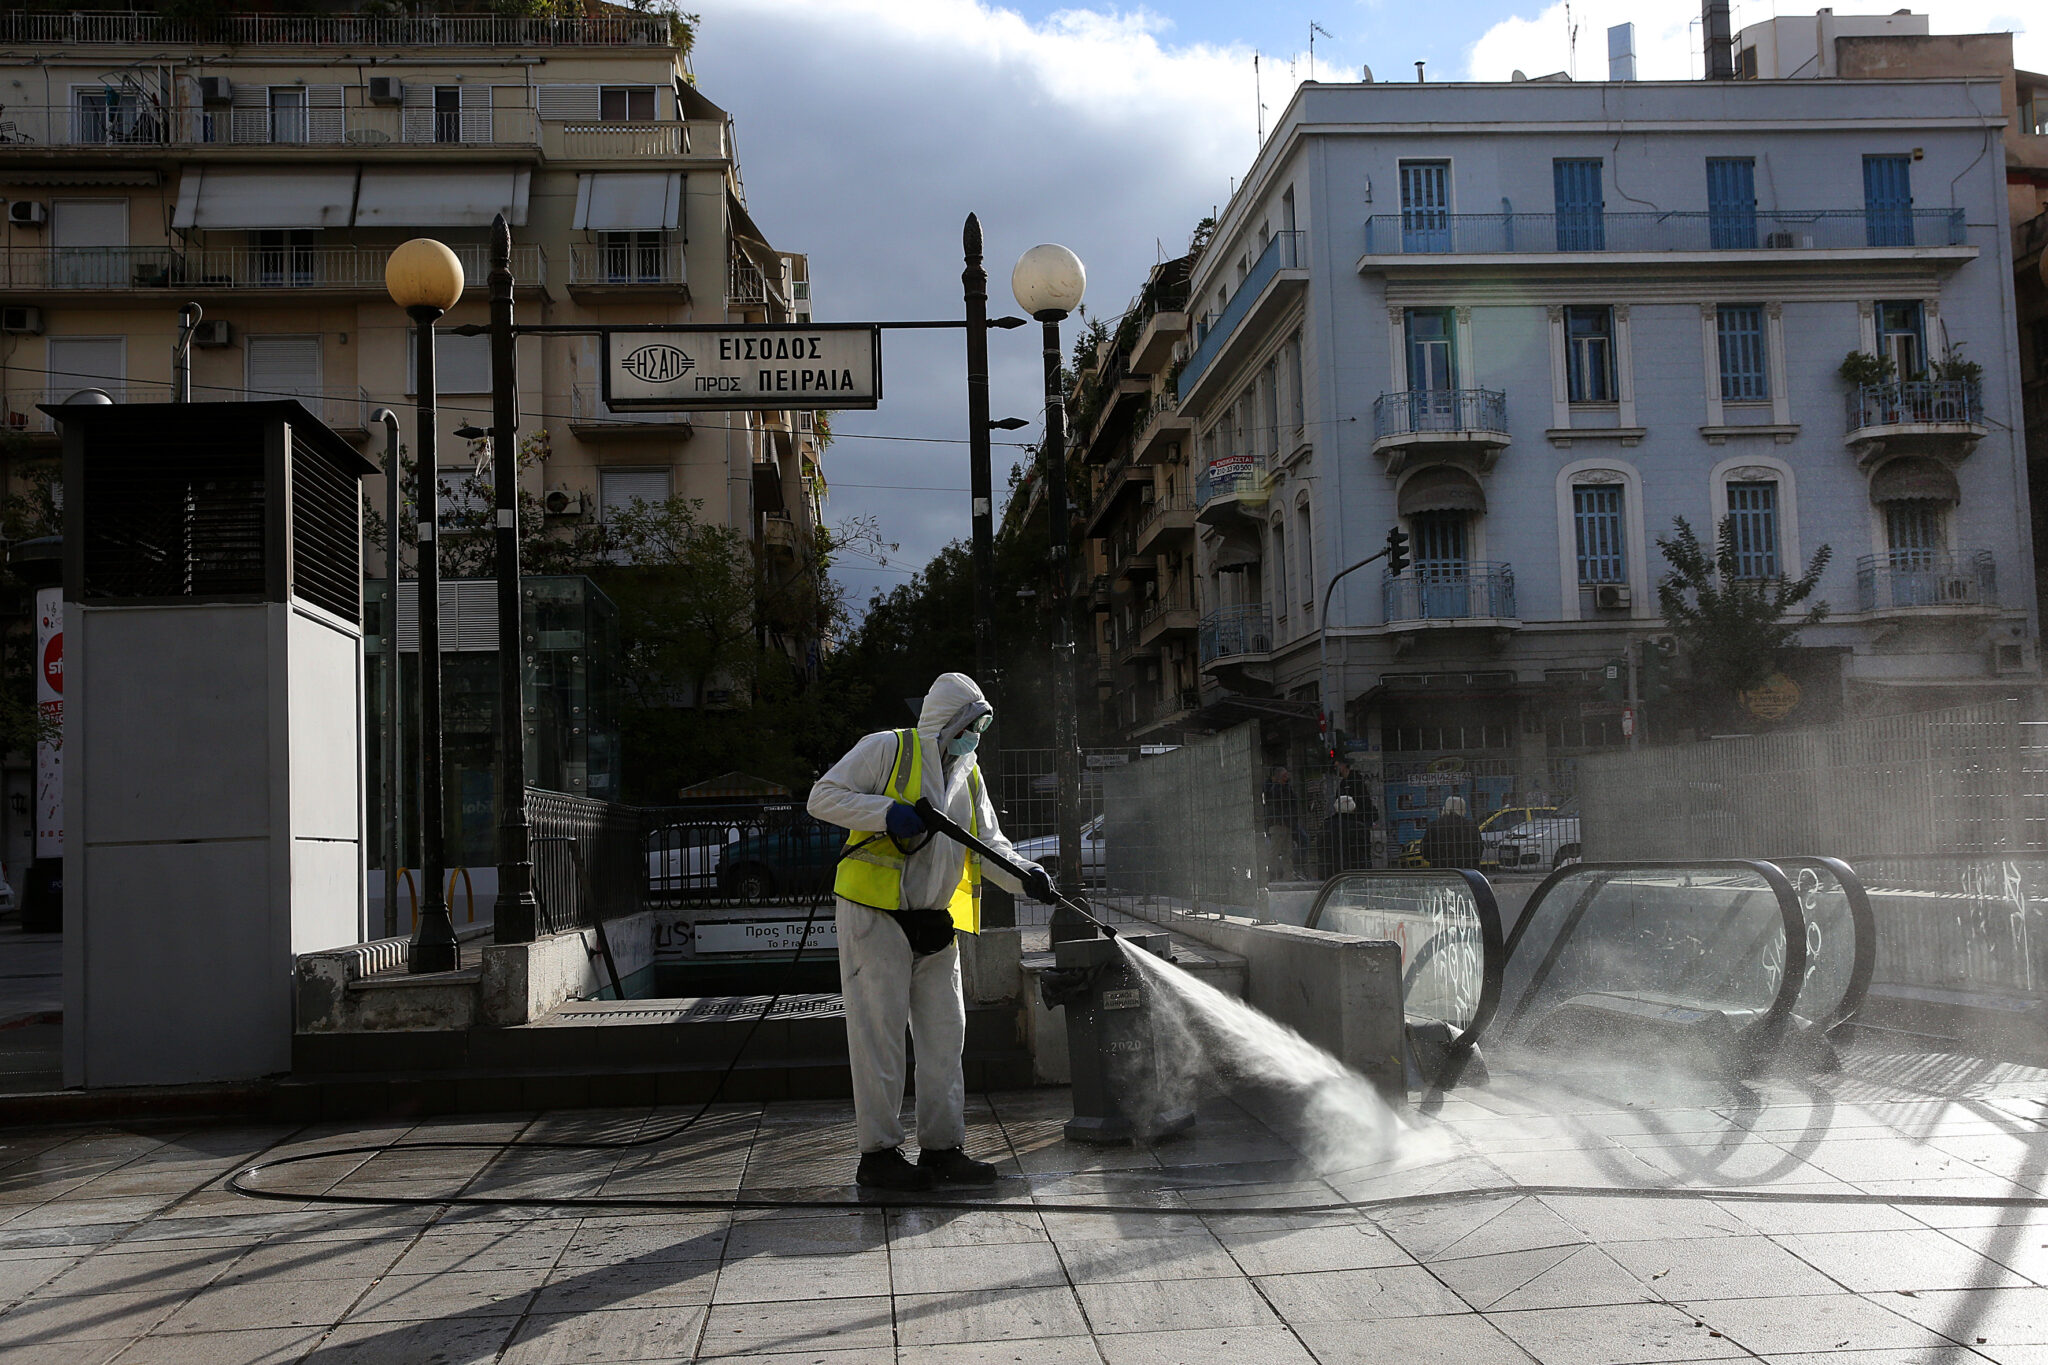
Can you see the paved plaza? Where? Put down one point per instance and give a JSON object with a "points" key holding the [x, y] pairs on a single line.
{"points": [[119, 1244]]}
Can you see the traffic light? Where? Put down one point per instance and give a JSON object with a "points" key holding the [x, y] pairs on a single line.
{"points": [[1655, 681], [1614, 681], [1397, 551]]}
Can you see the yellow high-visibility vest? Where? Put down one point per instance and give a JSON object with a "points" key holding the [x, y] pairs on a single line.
{"points": [[873, 875]]}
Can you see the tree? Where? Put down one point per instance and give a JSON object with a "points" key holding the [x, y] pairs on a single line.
{"points": [[1734, 629]]}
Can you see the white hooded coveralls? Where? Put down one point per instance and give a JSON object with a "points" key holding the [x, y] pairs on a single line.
{"points": [[887, 987]]}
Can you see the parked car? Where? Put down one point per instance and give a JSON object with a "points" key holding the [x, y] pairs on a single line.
{"points": [[1045, 851], [682, 859], [794, 856], [1492, 831], [1544, 842]]}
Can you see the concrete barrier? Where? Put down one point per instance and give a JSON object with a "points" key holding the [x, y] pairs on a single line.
{"points": [[523, 982]]}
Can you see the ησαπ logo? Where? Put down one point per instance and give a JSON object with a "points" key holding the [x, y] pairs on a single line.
{"points": [[659, 364]]}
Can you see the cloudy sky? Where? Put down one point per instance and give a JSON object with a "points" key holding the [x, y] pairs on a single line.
{"points": [[868, 129]]}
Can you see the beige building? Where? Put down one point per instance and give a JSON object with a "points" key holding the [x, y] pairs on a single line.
{"points": [[264, 168]]}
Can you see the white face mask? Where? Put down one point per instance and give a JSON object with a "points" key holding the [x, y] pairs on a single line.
{"points": [[963, 745]]}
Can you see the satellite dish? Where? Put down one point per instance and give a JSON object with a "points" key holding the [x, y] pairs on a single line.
{"points": [[1367, 75], [1520, 75]]}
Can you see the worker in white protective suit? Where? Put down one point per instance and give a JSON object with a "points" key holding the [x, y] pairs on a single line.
{"points": [[903, 892]]}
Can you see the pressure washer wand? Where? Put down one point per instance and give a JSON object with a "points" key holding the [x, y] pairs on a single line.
{"points": [[936, 819]]}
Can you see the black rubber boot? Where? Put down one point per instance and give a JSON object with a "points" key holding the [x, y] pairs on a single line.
{"points": [[952, 1166], [889, 1170]]}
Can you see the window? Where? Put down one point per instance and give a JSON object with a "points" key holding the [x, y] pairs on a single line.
{"points": [[1440, 543], [461, 364], [1269, 416], [618, 489], [1913, 533], [1432, 366], [285, 257], [447, 113], [1581, 204], [105, 115], [626, 104], [1280, 568], [1731, 203], [1306, 554], [1888, 200], [460, 499], [1596, 521], [1425, 206], [1901, 336], [1589, 356], [1740, 330], [287, 113], [631, 257], [1754, 509], [1297, 399]]}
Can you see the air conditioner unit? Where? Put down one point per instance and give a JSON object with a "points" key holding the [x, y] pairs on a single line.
{"points": [[1786, 241], [214, 333], [562, 502], [216, 90], [22, 320], [27, 213], [1612, 596], [386, 90]]}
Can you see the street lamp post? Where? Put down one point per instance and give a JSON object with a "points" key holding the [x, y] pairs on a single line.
{"points": [[1048, 282], [425, 279], [394, 783]]}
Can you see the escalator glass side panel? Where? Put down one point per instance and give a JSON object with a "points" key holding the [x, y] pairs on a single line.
{"points": [[1712, 947], [1841, 938], [1447, 926], [1971, 923]]}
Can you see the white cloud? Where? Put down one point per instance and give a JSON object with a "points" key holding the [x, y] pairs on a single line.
{"points": [[868, 130], [1667, 35]]}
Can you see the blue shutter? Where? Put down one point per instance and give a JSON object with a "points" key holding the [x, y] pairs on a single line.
{"points": [[1580, 225], [1596, 516], [1888, 200], [1425, 206], [1731, 203], [1753, 507], [1744, 374]]}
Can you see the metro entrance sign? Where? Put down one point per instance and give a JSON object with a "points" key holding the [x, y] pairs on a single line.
{"points": [[775, 365]]}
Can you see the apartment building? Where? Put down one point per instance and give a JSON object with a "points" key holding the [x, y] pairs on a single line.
{"points": [[1532, 323]]}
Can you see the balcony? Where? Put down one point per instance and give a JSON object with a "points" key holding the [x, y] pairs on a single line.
{"points": [[779, 535], [135, 28], [1450, 595], [666, 139], [1164, 518], [1167, 616], [140, 123], [1469, 423], [1153, 351], [345, 408], [746, 286], [1162, 432], [1231, 490], [1120, 478], [337, 269], [591, 420], [1236, 635], [623, 265], [1424, 239], [1927, 582], [1175, 702], [1939, 417], [1276, 279]]}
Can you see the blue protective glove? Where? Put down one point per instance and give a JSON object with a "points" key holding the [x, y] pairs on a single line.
{"points": [[1038, 885], [904, 822]]}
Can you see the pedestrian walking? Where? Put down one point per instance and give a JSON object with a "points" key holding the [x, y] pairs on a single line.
{"points": [[1348, 823], [1452, 839], [1286, 835]]}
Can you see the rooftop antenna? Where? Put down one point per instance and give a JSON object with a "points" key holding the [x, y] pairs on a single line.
{"points": [[1258, 98], [1313, 29], [1571, 41]]}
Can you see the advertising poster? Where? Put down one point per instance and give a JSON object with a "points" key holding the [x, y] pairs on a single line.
{"points": [[50, 701]]}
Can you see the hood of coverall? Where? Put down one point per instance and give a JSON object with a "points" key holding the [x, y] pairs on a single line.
{"points": [[953, 704]]}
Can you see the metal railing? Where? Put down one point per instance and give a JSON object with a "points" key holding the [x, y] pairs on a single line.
{"points": [[1233, 631], [713, 857], [327, 30], [1158, 510], [1286, 251], [1449, 592], [1926, 578], [1439, 410], [344, 406], [586, 404], [1226, 478], [586, 859], [1155, 616], [1915, 402], [145, 123], [747, 285], [1431, 233], [661, 138], [235, 267], [1174, 700], [628, 263]]}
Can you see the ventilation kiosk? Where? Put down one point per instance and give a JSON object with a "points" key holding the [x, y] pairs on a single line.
{"points": [[213, 734]]}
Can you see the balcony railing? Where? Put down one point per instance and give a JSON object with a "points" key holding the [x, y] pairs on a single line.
{"points": [[633, 141], [1926, 578], [1429, 233], [1449, 592], [747, 286], [1174, 700], [627, 263], [1236, 630], [140, 122], [235, 267], [1921, 402], [1286, 251], [329, 30], [343, 407], [1439, 410], [1230, 477]]}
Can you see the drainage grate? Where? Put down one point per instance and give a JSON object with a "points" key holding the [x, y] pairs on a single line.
{"points": [[709, 1009]]}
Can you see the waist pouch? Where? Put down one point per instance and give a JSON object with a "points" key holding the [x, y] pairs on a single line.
{"points": [[929, 931]]}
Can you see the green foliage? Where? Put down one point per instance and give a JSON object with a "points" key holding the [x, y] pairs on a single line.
{"points": [[1954, 367], [1733, 629], [1861, 367], [1200, 237]]}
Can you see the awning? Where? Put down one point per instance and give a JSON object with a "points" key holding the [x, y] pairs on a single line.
{"points": [[1441, 488], [265, 197], [628, 201], [1915, 479], [435, 196]]}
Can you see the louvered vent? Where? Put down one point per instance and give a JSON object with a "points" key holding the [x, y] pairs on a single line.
{"points": [[327, 565], [180, 516]]}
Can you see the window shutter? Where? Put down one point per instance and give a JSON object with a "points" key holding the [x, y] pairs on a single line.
{"points": [[573, 103], [621, 486], [323, 114], [251, 110], [476, 113], [417, 114]]}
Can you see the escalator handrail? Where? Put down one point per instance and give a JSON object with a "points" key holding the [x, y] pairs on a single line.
{"points": [[1492, 950], [1864, 964]]}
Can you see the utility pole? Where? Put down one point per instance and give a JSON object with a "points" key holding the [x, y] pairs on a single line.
{"points": [[981, 483]]}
